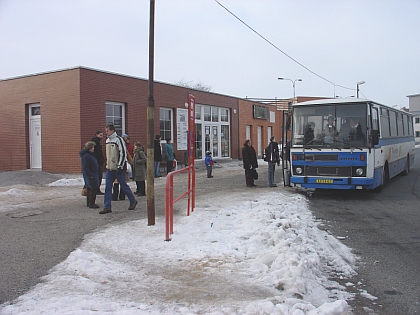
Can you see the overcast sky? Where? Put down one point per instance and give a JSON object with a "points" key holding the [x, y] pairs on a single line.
{"points": [[337, 43]]}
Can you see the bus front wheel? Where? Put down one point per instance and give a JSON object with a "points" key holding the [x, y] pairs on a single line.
{"points": [[385, 178], [385, 175]]}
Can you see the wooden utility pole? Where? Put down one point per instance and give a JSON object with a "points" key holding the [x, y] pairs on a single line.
{"points": [[150, 124]]}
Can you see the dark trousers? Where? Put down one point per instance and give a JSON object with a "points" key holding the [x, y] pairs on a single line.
{"points": [[141, 187], [249, 177], [209, 170], [271, 170], [169, 166], [91, 196]]}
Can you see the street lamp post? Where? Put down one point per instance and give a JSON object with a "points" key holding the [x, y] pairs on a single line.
{"points": [[294, 89], [357, 87]]}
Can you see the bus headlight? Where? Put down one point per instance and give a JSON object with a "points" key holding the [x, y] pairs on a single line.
{"points": [[359, 171], [298, 170]]}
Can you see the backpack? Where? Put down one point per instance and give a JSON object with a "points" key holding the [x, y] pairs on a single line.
{"points": [[266, 154]]}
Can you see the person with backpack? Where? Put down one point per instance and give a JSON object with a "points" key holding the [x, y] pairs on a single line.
{"points": [[272, 156]]}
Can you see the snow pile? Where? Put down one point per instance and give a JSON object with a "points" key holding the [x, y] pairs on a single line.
{"points": [[68, 182]]}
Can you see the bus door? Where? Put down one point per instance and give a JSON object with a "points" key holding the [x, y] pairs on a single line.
{"points": [[285, 147]]}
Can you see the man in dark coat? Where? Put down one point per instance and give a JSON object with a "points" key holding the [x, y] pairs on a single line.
{"points": [[249, 157], [99, 157], [272, 158]]}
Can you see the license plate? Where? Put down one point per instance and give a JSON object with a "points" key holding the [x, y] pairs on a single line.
{"points": [[324, 181]]}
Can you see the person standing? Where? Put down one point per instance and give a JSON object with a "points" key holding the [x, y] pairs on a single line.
{"points": [[168, 151], [139, 169], [130, 147], [116, 165], [273, 158], [130, 151], [249, 158], [208, 161], [158, 155], [97, 152], [90, 173], [352, 131], [309, 134]]}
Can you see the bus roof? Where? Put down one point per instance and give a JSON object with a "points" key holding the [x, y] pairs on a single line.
{"points": [[345, 101], [333, 101]]}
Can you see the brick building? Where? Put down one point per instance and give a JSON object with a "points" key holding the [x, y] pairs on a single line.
{"points": [[48, 117]]}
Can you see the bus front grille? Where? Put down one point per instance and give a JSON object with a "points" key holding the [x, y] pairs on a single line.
{"points": [[321, 157], [344, 171]]}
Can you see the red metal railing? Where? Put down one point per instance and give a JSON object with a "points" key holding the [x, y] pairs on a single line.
{"points": [[170, 201]]}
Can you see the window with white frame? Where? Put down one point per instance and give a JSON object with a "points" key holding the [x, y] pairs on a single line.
{"points": [[224, 114], [207, 113], [166, 123], [214, 114], [212, 126], [115, 113], [198, 112]]}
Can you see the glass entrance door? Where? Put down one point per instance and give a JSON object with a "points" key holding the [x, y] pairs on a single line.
{"points": [[211, 139]]}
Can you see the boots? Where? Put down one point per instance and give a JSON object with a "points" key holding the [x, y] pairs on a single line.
{"points": [[91, 195], [141, 188]]}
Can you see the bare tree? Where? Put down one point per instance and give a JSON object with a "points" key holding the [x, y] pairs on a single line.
{"points": [[192, 85]]}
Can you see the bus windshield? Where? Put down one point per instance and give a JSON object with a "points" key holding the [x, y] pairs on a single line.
{"points": [[330, 125]]}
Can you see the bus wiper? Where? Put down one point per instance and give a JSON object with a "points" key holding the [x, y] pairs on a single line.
{"points": [[346, 143], [309, 142]]}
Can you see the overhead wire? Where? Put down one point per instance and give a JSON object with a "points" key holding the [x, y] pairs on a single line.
{"points": [[277, 48]]}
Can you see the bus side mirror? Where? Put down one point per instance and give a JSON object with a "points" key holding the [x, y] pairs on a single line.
{"points": [[375, 136]]}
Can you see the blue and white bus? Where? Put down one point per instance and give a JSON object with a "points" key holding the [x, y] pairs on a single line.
{"points": [[348, 144]]}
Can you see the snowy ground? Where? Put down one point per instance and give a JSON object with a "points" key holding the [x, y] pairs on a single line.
{"points": [[235, 254]]}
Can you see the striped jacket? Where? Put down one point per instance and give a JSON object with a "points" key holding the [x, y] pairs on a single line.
{"points": [[116, 153]]}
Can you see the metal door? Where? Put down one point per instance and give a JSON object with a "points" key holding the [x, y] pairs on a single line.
{"points": [[35, 142]]}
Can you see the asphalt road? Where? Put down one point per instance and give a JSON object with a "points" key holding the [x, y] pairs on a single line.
{"points": [[383, 229]]}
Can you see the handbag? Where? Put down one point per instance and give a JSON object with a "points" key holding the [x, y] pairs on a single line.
{"points": [[255, 175], [84, 191]]}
